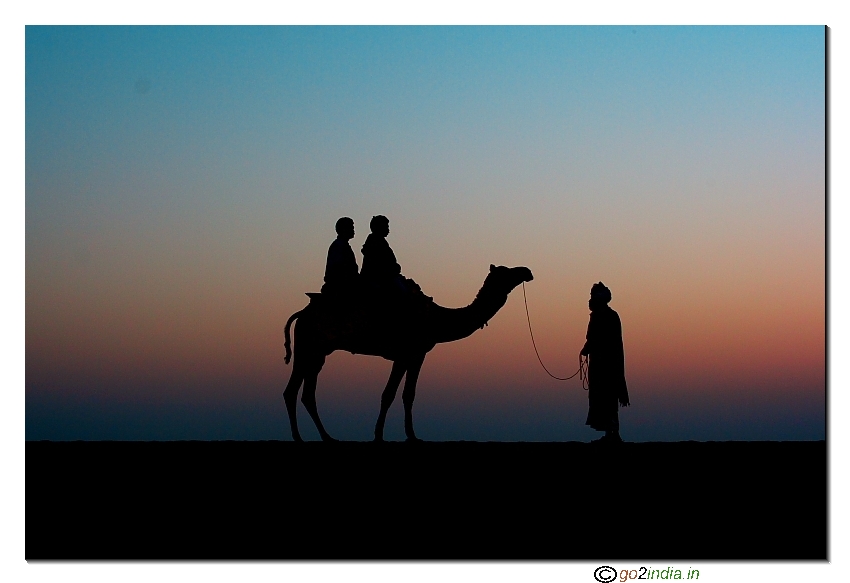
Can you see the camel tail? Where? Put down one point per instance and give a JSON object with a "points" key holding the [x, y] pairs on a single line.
{"points": [[287, 344]]}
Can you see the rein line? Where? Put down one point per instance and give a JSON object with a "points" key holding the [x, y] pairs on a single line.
{"points": [[582, 362]]}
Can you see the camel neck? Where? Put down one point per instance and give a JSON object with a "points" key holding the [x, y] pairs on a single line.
{"points": [[452, 324]]}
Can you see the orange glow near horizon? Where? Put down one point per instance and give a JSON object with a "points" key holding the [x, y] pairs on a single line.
{"points": [[171, 232]]}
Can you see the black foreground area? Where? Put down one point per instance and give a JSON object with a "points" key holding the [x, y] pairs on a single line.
{"points": [[443, 500]]}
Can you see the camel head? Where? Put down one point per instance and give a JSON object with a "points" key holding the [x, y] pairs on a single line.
{"points": [[502, 280]]}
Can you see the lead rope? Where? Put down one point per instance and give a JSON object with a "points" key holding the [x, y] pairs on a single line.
{"points": [[582, 361]]}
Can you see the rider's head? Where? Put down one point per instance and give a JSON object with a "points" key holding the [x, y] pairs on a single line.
{"points": [[380, 225], [599, 296], [345, 228]]}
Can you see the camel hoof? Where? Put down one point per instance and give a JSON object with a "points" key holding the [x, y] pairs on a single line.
{"points": [[413, 439], [329, 439]]}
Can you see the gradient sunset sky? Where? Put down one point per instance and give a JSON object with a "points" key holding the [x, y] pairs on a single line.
{"points": [[182, 185]]}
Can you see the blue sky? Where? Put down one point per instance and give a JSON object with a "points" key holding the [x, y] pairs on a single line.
{"points": [[182, 184]]}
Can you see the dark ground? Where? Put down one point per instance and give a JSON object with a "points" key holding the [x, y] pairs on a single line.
{"points": [[443, 500]]}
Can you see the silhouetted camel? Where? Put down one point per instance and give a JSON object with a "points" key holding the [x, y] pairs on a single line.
{"points": [[403, 336]]}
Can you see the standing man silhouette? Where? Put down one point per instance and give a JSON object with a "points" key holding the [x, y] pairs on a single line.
{"points": [[606, 373], [341, 271]]}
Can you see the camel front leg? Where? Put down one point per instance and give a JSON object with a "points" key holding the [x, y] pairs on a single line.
{"points": [[388, 396], [409, 394]]}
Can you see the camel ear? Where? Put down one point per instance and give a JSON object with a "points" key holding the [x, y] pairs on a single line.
{"points": [[492, 267]]}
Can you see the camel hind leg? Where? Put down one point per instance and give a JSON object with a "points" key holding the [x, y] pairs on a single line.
{"points": [[388, 396], [409, 394], [290, 397], [308, 397]]}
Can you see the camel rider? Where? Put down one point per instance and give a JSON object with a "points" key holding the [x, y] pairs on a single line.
{"points": [[381, 272], [341, 274]]}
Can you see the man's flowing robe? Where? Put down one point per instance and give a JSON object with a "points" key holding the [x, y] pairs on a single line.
{"points": [[606, 372]]}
